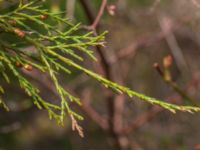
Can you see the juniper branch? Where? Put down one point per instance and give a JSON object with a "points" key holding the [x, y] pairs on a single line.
{"points": [[51, 46]]}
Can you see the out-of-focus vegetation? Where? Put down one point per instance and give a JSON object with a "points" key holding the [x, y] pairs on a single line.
{"points": [[162, 29]]}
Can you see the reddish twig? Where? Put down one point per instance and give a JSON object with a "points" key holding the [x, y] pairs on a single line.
{"points": [[94, 21], [98, 17]]}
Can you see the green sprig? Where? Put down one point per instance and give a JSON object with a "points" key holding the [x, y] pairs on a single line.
{"points": [[49, 55]]}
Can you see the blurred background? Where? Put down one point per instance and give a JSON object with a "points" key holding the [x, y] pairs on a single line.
{"points": [[141, 34]]}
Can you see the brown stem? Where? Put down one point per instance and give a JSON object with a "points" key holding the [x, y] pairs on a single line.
{"points": [[100, 13], [89, 12], [105, 68]]}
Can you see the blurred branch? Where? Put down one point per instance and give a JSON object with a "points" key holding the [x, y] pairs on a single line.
{"points": [[142, 42], [10, 128], [155, 4], [146, 41], [70, 8], [196, 3], [88, 10], [166, 24]]}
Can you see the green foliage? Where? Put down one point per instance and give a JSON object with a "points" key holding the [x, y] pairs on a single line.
{"points": [[52, 48]]}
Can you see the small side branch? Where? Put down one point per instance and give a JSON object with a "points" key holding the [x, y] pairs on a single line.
{"points": [[99, 15]]}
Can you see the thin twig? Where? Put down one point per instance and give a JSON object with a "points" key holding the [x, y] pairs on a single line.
{"points": [[99, 15]]}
